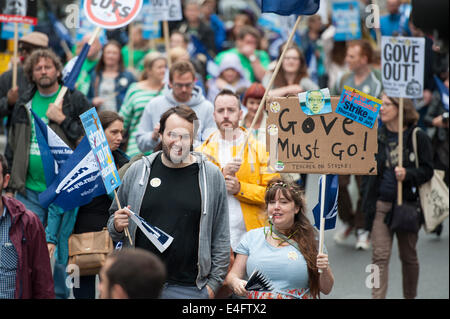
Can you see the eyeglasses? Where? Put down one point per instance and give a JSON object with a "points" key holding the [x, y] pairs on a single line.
{"points": [[181, 85]]}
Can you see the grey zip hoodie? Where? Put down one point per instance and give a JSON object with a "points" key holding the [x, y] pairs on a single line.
{"points": [[157, 106], [214, 236]]}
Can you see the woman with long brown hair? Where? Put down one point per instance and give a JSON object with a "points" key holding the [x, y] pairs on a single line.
{"points": [[381, 192], [285, 252], [293, 75], [109, 80]]}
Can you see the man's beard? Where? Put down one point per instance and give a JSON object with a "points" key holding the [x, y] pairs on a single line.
{"points": [[47, 83], [175, 159]]}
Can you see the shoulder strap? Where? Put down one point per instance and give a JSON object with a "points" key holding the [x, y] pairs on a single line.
{"points": [[414, 140]]}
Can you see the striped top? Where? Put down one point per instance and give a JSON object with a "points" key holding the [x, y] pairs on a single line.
{"points": [[132, 108]]}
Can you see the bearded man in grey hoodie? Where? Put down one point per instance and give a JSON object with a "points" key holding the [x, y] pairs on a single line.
{"points": [[184, 195], [181, 90]]}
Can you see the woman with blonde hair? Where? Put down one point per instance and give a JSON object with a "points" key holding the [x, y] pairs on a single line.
{"points": [[139, 94]]}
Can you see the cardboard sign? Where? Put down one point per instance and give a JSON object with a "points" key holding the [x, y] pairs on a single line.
{"points": [[100, 148], [402, 66], [346, 19], [358, 106], [165, 10], [19, 11], [112, 14], [321, 144]]}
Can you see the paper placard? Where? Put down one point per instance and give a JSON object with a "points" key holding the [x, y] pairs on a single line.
{"points": [[164, 10], [18, 11], [320, 144], [100, 148], [402, 66]]}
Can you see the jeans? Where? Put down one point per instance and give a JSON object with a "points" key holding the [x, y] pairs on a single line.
{"points": [[86, 289], [382, 239], [31, 202], [172, 291]]}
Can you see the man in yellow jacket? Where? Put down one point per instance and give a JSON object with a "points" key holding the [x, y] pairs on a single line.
{"points": [[246, 179]]}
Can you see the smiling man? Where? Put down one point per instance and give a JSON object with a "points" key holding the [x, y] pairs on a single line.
{"points": [[184, 195]]}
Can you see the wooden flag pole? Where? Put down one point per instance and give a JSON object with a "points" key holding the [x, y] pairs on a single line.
{"points": [[130, 46], [64, 88], [127, 232], [167, 42], [269, 87], [322, 219], [400, 150], [15, 55]]}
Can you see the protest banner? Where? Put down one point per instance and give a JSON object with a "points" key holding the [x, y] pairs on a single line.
{"points": [[18, 11], [106, 14], [402, 65], [358, 106], [102, 153], [346, 20], [165, 10], [318, 144], [8, 30]]}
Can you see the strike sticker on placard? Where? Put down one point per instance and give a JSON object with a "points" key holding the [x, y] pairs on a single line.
{"points": [[358, 106], [110, 14], [315, 102], [402, 66]]}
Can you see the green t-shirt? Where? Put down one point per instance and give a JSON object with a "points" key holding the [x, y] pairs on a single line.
{"points": [[245, 62], [35, 175], [138, 58], [84, 78]]}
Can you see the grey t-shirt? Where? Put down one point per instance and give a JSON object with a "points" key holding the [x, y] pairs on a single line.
{"points": [[106, 90]]}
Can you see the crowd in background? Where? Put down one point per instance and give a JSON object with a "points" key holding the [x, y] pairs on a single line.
{"points": [[134, 82]]}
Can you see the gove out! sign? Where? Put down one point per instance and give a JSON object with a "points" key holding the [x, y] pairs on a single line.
{"points": [[112, 14]]}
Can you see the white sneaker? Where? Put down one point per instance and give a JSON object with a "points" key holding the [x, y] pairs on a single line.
{"points": [[343, 234], [362, 241]]}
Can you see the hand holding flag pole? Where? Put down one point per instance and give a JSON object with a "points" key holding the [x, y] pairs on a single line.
{"points": [[127, 232], [72, 76]]}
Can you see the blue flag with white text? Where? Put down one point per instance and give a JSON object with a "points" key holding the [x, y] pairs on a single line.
{"points": [[78, 182], [54, 152], [331, 202], [288, 7]]}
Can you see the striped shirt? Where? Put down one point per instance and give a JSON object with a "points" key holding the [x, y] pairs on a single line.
{"points": [[8, 259], [132, 108]]}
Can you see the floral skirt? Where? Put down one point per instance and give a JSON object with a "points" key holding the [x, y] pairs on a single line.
{"points": [[302, 293]]}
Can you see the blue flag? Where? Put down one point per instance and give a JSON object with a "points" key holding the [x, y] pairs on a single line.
{"points": [[288, 7], [78, 182], [73, 68], [331, 202], [54, 152], [443, 91]]}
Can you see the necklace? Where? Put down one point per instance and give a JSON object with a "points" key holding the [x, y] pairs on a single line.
{"points": [[281, 240]]}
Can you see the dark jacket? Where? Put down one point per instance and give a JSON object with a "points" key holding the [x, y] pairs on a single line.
{"points": [[18, 151], [6, 85], [122, 83], [34, 278], [414, 176]]}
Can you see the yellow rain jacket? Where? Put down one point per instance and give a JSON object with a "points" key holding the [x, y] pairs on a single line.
{"points": [[253, 176]]}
